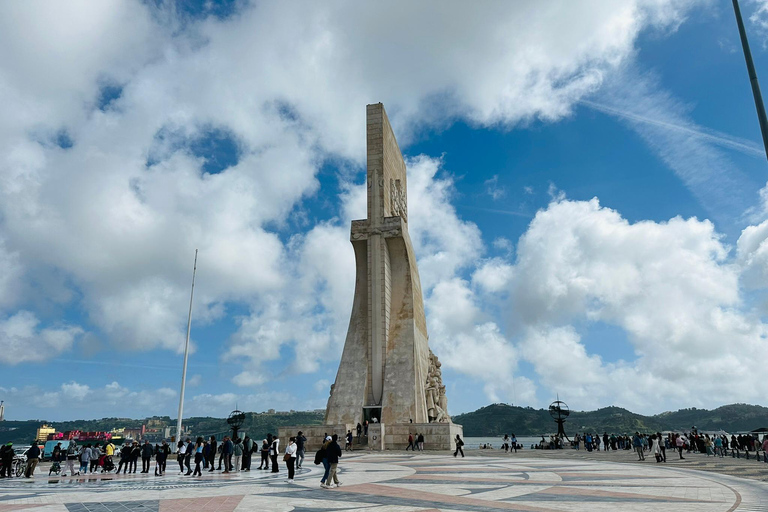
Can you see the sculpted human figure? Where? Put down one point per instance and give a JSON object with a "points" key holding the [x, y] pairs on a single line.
{"points": [[443, 404]]}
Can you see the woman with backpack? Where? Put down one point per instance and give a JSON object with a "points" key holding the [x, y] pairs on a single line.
{"points": [[322, 457]]}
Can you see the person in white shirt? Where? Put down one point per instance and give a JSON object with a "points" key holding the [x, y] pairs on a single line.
{"points": [[290, 458], [180, 455]]}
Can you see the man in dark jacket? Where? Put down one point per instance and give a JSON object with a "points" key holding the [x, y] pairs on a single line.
{"points": [[300, 440], [333, 452], [6, 455], [125, 458], [188, 456], [227, 447], [146, 456], [161, 456], [135, 454], [212, 453], [247, 449], [33, 457]]}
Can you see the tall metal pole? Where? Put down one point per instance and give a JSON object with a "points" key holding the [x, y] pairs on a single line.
{"points": [[752, 77], [186, 353]]}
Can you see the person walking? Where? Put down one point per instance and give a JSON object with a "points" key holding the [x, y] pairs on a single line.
{"points": [[348, 445], [247, 452], [359, 432], [680, 445], [198, 457], [33, 457], [135, 454], [459, 445], [420, 440], [410, 443], [322, 456], [188, 454], [237, 452], [181, 452], [146, 456], [333, 452], [662, 446], [273, 451], [513, 443], [125, 458], [264, 455], [300, 440], [85, 459], [290, 458], [637, 443], [95, 456], [73, 454], [161, 458], [212, 445]]}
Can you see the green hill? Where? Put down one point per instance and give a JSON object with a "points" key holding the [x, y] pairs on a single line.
{"points": [[499, 419], [492, 420]]}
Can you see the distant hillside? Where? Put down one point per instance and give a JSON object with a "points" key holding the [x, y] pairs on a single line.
{"points": [[256, 425], [492, 420], [499, 419]]}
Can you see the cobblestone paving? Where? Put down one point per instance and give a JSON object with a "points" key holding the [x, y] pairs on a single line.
{"points": [[528, 481], [739, 467]]}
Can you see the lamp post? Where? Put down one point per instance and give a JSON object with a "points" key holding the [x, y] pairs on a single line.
{"points": [[752, 77], [186, 353]]}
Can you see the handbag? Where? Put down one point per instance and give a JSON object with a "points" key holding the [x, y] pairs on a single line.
{"points": [[287, 457]]}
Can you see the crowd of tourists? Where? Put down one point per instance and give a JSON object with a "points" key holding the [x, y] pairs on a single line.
{"points": [[712, 445]]}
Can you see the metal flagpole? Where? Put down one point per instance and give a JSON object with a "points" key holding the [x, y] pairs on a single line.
{"points": [[186, 353], [752, 77]]}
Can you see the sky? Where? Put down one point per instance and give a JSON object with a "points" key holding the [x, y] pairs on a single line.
{"points": [[588, 200]]}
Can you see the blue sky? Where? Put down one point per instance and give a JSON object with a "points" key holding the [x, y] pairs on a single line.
{"points": [[586, 193]]}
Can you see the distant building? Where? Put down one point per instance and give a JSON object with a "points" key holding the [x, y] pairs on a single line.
{"points": [[43, 432], [2, 411]]}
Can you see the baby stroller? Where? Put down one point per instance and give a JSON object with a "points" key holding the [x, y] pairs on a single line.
{"points": [[55, 468], [106, 464]]}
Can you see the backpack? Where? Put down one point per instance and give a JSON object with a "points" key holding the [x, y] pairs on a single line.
{"points": [[319, 456]]}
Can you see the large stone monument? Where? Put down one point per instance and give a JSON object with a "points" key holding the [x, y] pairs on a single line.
{"points": [[388, 376]]}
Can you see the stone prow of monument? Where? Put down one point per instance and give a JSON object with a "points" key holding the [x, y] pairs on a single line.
{"points": [[387, 371]]}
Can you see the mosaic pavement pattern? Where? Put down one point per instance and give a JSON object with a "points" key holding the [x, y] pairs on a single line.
{"points": [[394, 482]]}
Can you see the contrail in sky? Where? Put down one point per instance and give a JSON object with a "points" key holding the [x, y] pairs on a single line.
{"points": [[493, 210], [744, 146]]}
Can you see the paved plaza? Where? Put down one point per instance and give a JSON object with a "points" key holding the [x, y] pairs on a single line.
{"points": [[399, 482]]}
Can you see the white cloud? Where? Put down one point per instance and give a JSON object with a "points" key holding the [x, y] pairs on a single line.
{"points": [[493, 275], [670, 286], [493, 189], [21, 339]]}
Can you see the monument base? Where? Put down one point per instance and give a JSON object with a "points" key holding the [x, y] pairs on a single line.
{"points": [[437, 436]]}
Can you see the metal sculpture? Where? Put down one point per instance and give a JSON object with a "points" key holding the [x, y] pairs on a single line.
{"points": [[559, 412], [235, 420]]}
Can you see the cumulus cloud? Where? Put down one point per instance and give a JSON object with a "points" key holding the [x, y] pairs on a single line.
{"points": [[670, 286], [22, 339]]}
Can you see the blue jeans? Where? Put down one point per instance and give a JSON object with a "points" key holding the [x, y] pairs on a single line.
{"points": [[327, 466]]}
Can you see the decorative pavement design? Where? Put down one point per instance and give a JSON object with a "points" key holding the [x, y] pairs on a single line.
{"points": [[402, 483]]}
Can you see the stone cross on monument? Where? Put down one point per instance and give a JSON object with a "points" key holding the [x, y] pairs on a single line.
{"points": [[387, 372]]}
